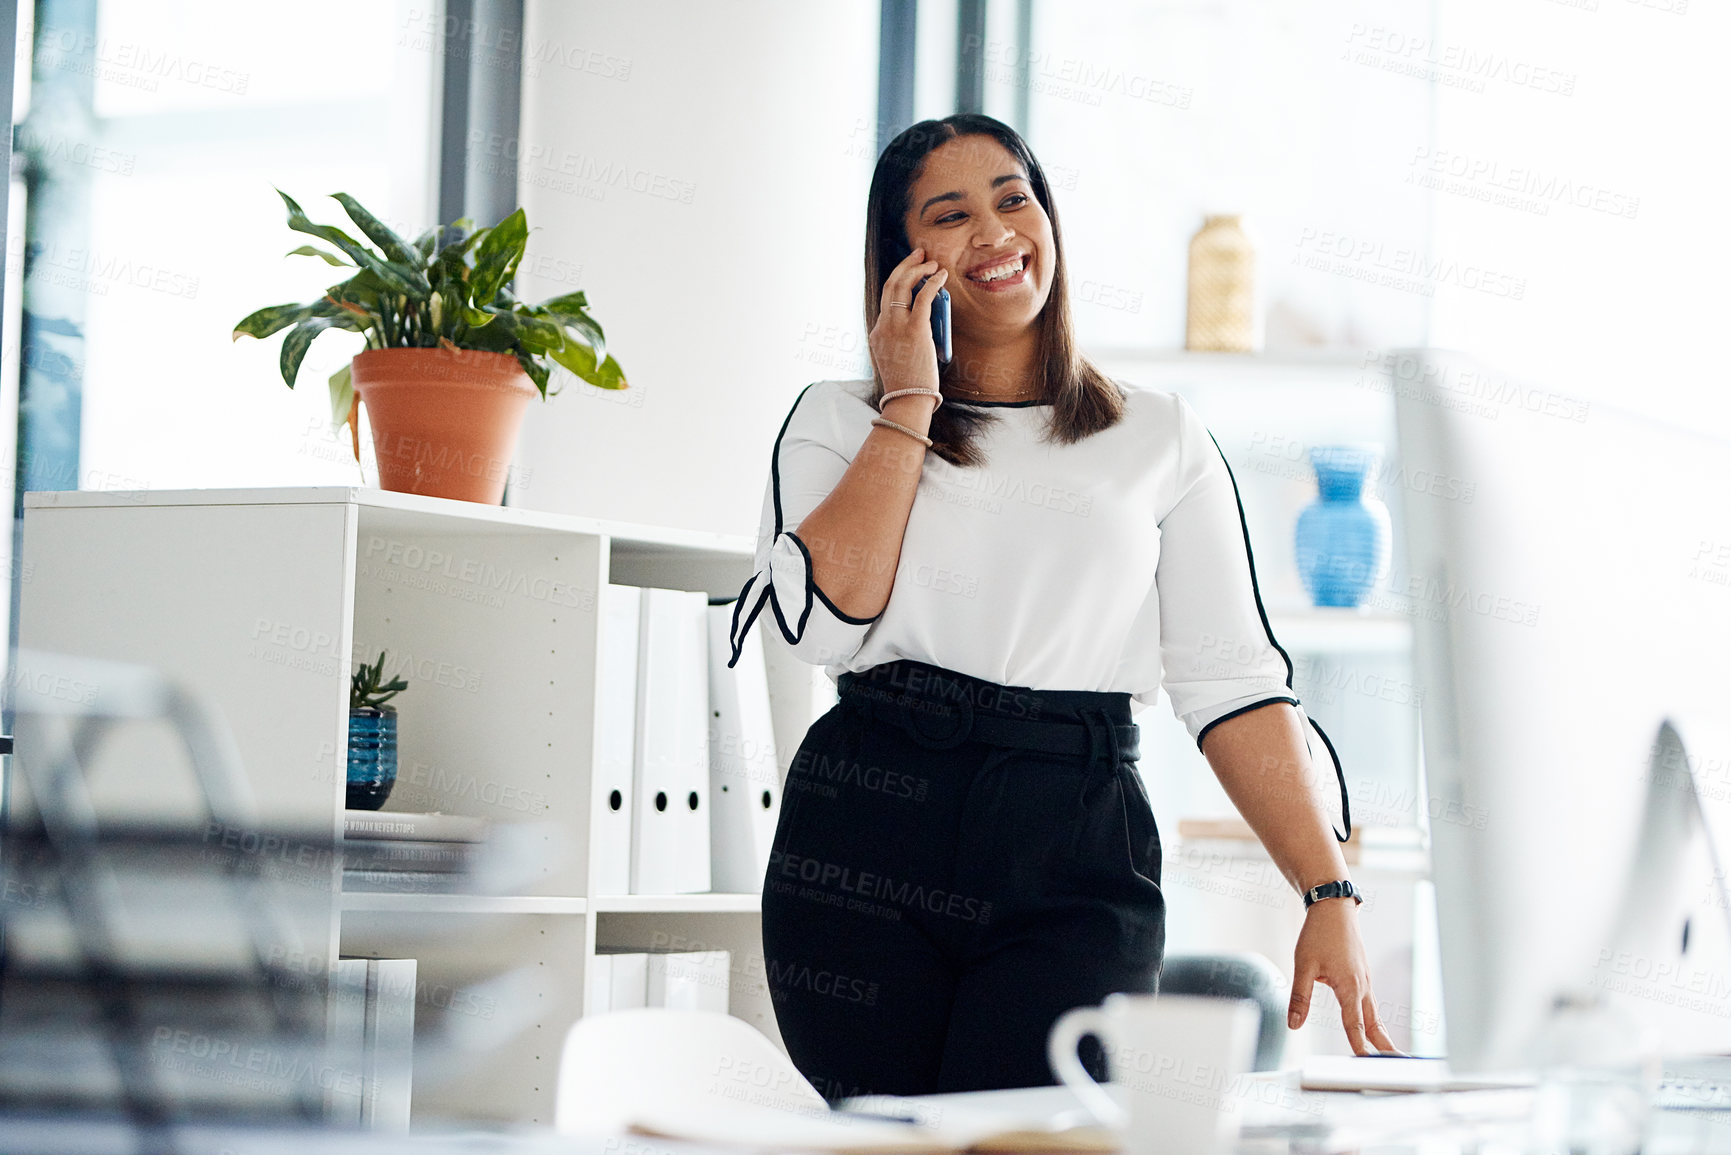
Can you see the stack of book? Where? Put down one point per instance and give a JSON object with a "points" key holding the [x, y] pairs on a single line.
{"points": [[386, 851]]}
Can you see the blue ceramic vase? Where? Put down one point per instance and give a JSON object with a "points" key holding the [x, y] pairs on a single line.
{"points": [[1343, 536], [372, 756]]}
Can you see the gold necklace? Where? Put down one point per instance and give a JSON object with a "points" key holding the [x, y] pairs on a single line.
{"points": [[991, 397]]}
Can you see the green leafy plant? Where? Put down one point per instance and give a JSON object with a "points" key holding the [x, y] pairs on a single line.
{"points": [[367, 688], [422, 295]]}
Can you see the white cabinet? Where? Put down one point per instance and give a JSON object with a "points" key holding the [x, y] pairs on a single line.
{"points": [[263, 601]]}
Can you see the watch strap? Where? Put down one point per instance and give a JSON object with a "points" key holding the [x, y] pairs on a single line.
{"points": [[1341, 888]]}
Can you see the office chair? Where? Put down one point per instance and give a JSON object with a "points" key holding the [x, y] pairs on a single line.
{"points": [[1239, 975]]}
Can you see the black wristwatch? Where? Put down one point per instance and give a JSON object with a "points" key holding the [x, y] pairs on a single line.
{"points": [[1341, 889]]}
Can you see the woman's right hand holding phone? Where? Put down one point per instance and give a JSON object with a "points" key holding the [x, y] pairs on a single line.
{"points": [[901, 342]]}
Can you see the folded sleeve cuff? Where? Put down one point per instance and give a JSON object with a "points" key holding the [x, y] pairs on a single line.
{"points": [[1201, 721], [1200, 705], [812, 625]]}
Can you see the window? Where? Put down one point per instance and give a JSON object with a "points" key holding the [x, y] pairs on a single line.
{"points": [[164, 229]]}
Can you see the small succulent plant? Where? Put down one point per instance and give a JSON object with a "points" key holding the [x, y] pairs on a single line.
{"points": [[368, 689]]}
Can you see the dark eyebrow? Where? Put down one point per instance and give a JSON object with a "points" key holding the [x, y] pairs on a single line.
{"points": [[956, 196]]}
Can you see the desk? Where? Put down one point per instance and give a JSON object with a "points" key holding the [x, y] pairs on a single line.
{"points": [[1281, 1119], [1284, 1121]]}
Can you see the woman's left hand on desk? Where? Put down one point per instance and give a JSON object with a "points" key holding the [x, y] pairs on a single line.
{"points": [[1330, 952]]}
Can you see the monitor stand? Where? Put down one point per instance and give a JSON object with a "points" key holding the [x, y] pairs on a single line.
{"points": [[1669, 958]]}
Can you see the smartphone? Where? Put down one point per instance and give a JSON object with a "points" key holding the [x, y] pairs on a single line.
{"points": [[940, 314], [940, 321]]}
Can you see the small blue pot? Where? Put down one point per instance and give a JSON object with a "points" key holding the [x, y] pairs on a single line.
{"points": [[1343, 537], [372, 756]]}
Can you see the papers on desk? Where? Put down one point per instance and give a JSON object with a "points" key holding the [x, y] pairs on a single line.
{"points": [[1377, 1073], [777, 1109], [1274, 1106], [952, 1129], [1345, 1121]]}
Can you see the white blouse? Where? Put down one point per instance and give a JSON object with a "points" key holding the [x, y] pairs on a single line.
{"points": [[1118, 563]]}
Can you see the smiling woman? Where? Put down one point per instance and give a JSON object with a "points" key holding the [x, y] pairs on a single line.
{"points": [[1092, 553], [980, 200]]}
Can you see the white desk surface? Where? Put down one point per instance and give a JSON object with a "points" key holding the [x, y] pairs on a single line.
{"points": [[1280, 1119], [1449, 1123]]}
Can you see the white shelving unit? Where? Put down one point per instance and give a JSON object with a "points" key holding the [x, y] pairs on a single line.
{"points": [[262, 601], [1266, 411], [1325, 630], [461, 904]]}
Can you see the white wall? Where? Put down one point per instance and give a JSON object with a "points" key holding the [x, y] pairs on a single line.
{"points": [[723, 299], [1613, 198], [1147, 116]]}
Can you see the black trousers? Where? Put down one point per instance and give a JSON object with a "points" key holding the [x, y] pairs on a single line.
{"points": [[956, 864]]}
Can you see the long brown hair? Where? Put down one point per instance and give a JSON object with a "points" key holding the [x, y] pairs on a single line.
{"points": [[1084, 400]]}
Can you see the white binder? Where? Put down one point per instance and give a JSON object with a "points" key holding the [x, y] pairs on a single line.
{"points": [[628, 978], [389, 1075], [689, 980], [346, 1007], [744, 776], [670, 823], [616, 739], [598, 984]]}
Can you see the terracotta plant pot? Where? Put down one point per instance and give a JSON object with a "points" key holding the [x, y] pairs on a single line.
{"points": [[444, 421]]}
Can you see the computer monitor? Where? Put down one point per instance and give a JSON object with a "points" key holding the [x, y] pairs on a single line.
{"points": [[1569, 572]]}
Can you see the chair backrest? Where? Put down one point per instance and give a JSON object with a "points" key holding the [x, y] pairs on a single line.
{"points": [[618, 1062], [1236, 975]]}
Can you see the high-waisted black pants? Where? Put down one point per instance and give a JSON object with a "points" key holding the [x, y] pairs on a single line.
{"points": [[957, 863]]}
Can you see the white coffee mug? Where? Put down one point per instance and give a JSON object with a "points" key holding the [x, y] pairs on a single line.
{"points": [[1181, 1060]]}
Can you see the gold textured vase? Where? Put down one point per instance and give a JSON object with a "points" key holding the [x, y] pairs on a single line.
{"points": [[1221, 309]]}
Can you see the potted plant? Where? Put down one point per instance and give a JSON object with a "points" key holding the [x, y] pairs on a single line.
{"points": [[451, 355], [372, 736]]}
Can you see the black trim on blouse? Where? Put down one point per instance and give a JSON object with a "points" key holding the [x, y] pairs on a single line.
{"points": [[1256, 592], [1287, 698], [768, 594]]}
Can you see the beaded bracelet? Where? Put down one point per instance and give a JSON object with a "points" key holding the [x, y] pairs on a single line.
{"points": [[905, 392], [888, 424]]}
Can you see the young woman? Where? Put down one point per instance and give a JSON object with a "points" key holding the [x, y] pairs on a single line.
{"points": [[993, 558]]}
